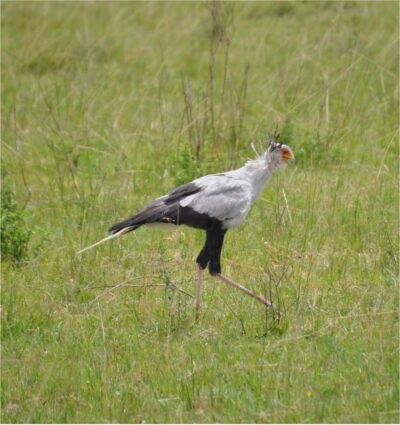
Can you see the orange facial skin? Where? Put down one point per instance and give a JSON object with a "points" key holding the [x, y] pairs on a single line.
{"points": [[286, 154]]}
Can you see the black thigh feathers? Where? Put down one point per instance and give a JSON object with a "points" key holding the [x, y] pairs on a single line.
{"points": [[211, 252]]}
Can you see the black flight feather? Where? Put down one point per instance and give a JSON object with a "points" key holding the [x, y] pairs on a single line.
{"points": [[162, 210]]}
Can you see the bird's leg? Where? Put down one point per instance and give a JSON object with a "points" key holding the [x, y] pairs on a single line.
{"points": [[217, 240], [202, 262], [242, 288], [199, 283], [217, 235]]}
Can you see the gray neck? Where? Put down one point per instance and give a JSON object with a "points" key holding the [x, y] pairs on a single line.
{"points": [[256, 172]]}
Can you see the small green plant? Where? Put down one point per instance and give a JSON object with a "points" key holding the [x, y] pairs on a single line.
{"points": [[286, 132], [14, 233], [184, 166], [313, 151]]}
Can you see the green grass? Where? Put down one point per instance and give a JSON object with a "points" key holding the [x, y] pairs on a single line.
{"points": [[94, 125]]}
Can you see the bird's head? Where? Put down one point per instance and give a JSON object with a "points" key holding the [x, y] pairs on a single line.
{"points": [[279, 153]]}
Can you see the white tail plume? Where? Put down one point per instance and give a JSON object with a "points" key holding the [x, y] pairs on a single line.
{"points": [[121, 232]]}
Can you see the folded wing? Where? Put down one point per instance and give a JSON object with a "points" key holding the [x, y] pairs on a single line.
{"points": [[158, 210], [221, 197]]}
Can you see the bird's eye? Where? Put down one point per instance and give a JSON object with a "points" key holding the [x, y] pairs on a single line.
{"points": [[276, 146]]}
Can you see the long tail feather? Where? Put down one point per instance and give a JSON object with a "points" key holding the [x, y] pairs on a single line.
{"points": [[121, 232]]}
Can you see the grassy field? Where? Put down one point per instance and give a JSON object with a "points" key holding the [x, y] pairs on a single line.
{"points": [[106, 106]]}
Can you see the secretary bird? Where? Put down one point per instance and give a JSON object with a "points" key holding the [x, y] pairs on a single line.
{"points": [[214, 203]]}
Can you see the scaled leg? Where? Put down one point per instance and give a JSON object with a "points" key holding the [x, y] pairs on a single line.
{"points": [[199, 283], [245, 290], [202, 261]]}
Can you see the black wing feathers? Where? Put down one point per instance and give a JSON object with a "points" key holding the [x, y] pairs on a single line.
{"points": [[159, 210], [181, 192]]}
